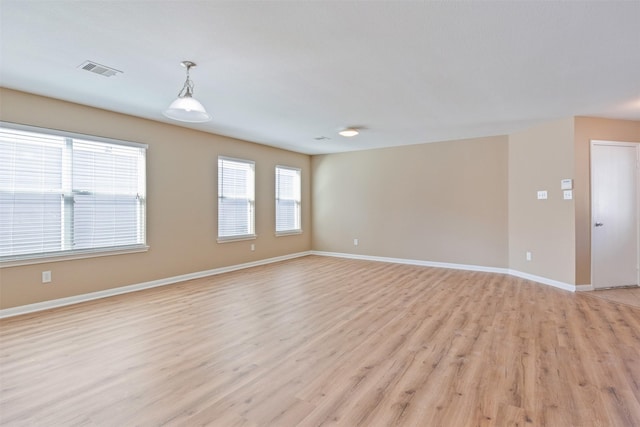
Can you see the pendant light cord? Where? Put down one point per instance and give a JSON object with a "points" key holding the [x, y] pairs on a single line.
{"points": [[188, 85]]}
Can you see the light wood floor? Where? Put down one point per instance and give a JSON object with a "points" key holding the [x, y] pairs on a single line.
{"points": [[324, 341], [629, 296]]}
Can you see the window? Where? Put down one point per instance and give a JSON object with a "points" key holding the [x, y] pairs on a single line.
{"points": [[65, 194], [236, 213], [287, 200]]}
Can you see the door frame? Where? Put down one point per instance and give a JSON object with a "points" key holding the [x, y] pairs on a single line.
{"points": [[592, 143]]}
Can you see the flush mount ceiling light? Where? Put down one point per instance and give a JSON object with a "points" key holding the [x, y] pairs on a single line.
{"points": [[349, 132], [186, 108]]}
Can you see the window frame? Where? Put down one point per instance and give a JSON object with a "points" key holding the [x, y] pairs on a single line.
{"points": [[251, 235], [67, 253], [297, 203]]}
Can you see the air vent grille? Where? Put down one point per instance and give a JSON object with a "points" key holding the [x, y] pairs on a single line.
{"points": [[100, 69]]}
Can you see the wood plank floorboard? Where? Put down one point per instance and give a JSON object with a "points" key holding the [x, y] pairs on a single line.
{"points": [[629, 296], [319, 341]]}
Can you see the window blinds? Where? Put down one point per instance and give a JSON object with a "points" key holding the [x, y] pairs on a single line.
{"points": [[236, 188], [31, 193], [60, 194], [287, 199], [107, 192]]}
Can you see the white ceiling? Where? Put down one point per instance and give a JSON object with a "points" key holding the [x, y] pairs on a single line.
{"points": [[282, 73]]}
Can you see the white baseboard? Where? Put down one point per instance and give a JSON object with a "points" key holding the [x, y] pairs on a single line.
{"points": [[61, 302], [414, 262], [543, 280], [538, 279]]}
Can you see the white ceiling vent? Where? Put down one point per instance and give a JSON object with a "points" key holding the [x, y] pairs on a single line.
{"points": [[96, 68]]}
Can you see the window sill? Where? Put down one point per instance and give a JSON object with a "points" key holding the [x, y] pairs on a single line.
{"points": [[71, 255], [288, 233], [231, 239]]}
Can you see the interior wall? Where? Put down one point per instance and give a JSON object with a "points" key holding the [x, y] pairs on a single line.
{"points": [[469, 202], [586, 129], [181, 204], [440, 202], [539, 158]]}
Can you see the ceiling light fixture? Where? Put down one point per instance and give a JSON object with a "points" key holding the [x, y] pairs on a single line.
{"points": [[349, 132], [186, 108]]}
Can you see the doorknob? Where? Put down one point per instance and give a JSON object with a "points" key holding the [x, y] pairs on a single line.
{"points": [[599, 224]]}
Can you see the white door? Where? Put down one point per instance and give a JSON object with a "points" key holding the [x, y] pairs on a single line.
{"points": [[615, 218]]}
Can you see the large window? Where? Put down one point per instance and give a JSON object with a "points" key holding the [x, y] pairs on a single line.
{"points": [[236, 189], [67, 194], [287, 200]]}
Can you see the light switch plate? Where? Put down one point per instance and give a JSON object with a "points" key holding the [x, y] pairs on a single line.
{"points": [[566, 184], [568, 194], [542, 195]]}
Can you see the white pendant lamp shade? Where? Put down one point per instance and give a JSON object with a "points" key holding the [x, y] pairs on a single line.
{"points": [[186, 108]]}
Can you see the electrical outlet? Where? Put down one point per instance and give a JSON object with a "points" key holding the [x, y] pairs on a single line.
{"points": [[46, 277], [355, 242], [528, 256], [253, 247]]}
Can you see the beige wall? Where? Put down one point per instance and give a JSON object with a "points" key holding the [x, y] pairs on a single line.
{"points": [[586, 129], [468, 202], [181, 209], [443, 202], [539, 158]]}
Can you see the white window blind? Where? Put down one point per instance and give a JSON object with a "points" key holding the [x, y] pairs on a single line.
{"points": [[236, 194], [63, 194], [287, 200]]}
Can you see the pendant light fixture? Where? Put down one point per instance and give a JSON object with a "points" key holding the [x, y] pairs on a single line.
{"points": [[186, 108]]}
